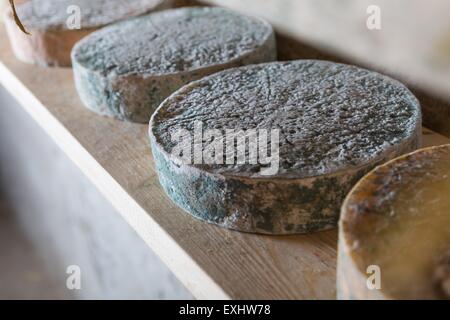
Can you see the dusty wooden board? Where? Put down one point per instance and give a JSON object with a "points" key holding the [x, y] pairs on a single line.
{"points": [[211, 262]]}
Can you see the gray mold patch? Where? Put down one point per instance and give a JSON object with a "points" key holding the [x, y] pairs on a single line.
{"points": [[337, 122], [143, 60]]}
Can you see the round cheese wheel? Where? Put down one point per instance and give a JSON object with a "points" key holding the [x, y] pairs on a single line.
{"points": [[394, 236], [55, 26], [334, 123], [126, 70]]}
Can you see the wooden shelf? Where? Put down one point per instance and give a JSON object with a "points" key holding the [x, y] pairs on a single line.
{"points": [[210, 261]]}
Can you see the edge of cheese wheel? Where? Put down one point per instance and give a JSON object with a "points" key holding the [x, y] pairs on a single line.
{"points": [[50, 47], [263, 214], [351, 280]]}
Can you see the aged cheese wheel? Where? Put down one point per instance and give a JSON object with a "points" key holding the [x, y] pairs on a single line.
{"points": [[53, 28], [397, 218], [335, 123], [126, 70]]}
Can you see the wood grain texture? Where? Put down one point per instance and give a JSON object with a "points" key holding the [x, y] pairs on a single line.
{"points": [[210, 261]]}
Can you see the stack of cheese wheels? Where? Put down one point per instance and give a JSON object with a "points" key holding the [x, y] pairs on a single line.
{"points": [[126, 70], [335, 122], [394, 238], [55, 26]]}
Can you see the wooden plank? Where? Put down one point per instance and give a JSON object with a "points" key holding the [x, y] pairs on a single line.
{"points": [[210, 261], [431, 138]]}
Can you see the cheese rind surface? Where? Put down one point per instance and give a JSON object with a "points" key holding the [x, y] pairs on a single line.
{"points": [[397, 218], [335, 123], [126, 70], [55, 26]]}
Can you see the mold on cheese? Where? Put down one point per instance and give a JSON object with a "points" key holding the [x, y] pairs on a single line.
{"points": [[335, 123], [53, 25], [126, 70], [397, 218]]}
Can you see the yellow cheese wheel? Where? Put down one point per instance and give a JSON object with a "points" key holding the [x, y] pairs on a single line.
{"points": [[394, 237]]}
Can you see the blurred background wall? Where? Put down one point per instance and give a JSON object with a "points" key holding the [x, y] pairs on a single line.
{"points": [[52, 217]]}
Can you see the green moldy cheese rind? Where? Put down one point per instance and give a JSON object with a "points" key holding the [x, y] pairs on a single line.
{"points": [[55, 26], [335, 123], [126, 70], [394, 232]]}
